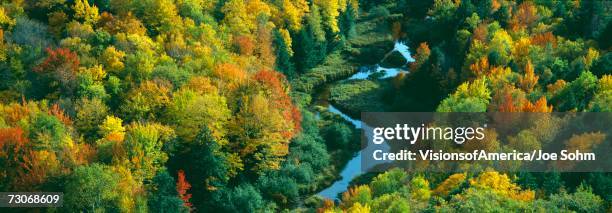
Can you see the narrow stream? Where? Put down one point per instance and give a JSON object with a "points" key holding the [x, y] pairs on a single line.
{"points": [[353, 167]]}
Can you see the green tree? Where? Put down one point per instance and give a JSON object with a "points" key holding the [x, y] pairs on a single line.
{"points": [[552, 183], [143, 145], [602, 184], [90, 113], [163, 197], [388, 182], [583, 200], [602, 100], [577, 94], [242, 198], [469, 97], [207, 163], [146, 101], [391, 203], [347, 21], [283, 58], [281, 189], [92, 188], [485, 200], [310, 45], [337, 135]]}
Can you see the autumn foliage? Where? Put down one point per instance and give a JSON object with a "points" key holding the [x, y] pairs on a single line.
{"points": [[529, 80], [274, 81], [182, 186], [60, 60]]}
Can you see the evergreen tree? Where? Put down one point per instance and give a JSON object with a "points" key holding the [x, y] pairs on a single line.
{"points": [[163, 197], [552, 183], [347, 23], [310, 45], [283, 58]]}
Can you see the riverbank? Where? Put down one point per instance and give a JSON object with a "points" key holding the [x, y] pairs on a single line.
{"points": [[356, 96], [371, 40], [312, 88]]}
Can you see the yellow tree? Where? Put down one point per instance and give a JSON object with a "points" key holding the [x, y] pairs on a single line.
{"points": [[257, 9], [501, 184], [481, 67], [502, 44], [529, 80], [451, 183], [422, 54], [585, 142], [162, 15], [331, 10], [84, 11], [112, 59], [112, 128], [190, 111], [257, 133], [357, 194], [520, 53], [237, 17], [292, 12]]}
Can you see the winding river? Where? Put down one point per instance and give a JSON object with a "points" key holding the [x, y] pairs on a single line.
{"points": [[353, 168]]}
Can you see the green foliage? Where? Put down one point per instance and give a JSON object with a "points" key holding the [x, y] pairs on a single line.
{"points": [[333, 68], [577, 94], [310, 43], [48, 133], [146, 101], [143, 144], [90, 114], [308, 148], [391, 203], [469, 97], [92, 188], [358, 96], [419, 187], [172, 73], [283, 58], [164, 197], [602, 185], [337, 135], [583, 200], [190, 111], [379, 12], [208, 163], [357, 195], [552, 183], [281, 189], [388, 182], [242, 198], [104, 100], [485, 201], [602, 65], [347, 22]]}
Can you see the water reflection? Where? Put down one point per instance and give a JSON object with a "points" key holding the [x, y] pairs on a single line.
{"points": [[353, 167]]}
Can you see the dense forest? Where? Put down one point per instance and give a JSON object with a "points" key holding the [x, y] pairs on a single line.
{"points": [[216, 105]]}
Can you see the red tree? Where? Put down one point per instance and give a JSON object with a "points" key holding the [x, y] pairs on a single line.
{"points": [[275, 82], [182, 186], [59, 60], [60, 68]]}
